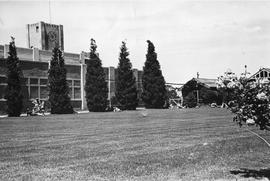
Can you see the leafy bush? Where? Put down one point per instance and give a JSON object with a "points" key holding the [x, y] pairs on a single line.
{"points": [[248, 100], [209, 96]]}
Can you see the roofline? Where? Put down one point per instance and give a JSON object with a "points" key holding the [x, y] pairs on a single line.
{"points": [[196, 79], [259, 71]]}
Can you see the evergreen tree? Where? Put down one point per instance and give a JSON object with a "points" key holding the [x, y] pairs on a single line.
{"points": [[96, 87], [154, 90], [59, 90], [126, 90], [13, 93]]}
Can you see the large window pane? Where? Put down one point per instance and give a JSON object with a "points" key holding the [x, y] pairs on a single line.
{"points": [[112, 88], [77, 83], [33, 92], [43, 81], [44, 92], [2, 91], [77, 93], [33, 81]]}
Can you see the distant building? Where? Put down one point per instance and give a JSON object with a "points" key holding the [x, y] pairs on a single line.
{"points": [[34, 61], [205, 91], [262, 76]]}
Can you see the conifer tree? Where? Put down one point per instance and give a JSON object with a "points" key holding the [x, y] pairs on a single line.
{"points": [[126, 90], [96, 87], [154, 93], [59, 90], [13, 93]]}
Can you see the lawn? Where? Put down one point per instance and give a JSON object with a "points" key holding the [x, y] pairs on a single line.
{"points": [[187, 144]]}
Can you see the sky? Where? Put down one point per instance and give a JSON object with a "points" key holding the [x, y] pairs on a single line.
{"points": [[205, 36]]}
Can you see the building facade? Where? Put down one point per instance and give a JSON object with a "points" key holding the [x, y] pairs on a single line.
{"points": [[34, 63], [262, 76]]}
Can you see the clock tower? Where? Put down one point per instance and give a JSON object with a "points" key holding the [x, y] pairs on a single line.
{"points": [[45, 36]]}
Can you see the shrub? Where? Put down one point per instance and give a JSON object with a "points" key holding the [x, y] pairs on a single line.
{"points": [[249, 101]]}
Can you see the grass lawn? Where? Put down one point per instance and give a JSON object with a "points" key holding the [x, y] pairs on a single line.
{"points": [[187, 144]]}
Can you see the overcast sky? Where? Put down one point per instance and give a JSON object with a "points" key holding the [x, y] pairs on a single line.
{"points": [[208, 37]]}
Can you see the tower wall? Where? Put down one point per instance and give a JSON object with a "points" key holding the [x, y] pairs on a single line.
{"points": [[45, 36]]}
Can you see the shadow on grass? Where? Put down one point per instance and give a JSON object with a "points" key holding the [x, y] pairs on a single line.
{"points": [[258, 174]]}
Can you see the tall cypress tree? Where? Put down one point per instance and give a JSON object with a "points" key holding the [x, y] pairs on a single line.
{"points": [[13, 93], [126, 90], [96, 87], [154, 90], [59, 90]]}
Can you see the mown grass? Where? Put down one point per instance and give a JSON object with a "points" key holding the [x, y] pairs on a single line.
{"points": [[188, 144]]}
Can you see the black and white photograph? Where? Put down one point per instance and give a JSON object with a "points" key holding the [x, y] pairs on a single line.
{"points": [[135, 90]]}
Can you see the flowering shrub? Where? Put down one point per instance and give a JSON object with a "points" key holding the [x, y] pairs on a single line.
{"points": [[228, 85], [249, 100]]}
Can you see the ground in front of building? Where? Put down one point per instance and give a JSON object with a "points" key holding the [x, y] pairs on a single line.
{"points": [[187, 144]]}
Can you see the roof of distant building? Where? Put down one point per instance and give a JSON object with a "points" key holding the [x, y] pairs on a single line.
{"points": [[260, 70], [210, 83]]}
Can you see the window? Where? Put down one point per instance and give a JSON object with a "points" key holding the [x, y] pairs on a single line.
{"points": [[112, 87], [33, 81], [37, 29], [70, 93], [34, 92], [43, 82], [74, 89], [37, 88], [77, 83], [2, 91], [77, 93], [44, 92], [261, 74]]}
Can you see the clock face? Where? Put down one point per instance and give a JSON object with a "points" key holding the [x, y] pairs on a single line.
{"points": [[52, 36]]}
